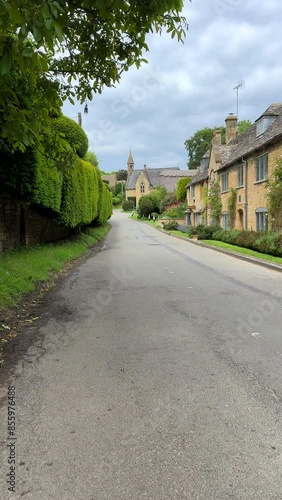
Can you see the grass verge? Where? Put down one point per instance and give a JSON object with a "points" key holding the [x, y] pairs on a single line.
{"points": [[244, 251], [22, 269]]}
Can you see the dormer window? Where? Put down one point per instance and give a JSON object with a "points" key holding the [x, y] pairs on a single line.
{"points": [[263, 124]]}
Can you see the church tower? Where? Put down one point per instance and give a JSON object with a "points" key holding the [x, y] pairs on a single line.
{"points": [[130, 164]]}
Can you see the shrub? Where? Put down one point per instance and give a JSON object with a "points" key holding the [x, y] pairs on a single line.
{"points": [[127, 205], [146, 206], [117, 200], [247, 239], [171, 225], [206, 232], [73, 134], [168, 199], [181, 191], [176, 212]]}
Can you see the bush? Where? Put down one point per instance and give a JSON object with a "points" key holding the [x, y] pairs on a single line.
{"points": [[206, 232], [73, 134], [168, 199], [169, 226], [146, 206], [117, 200], [127, 205], [177, 212]]}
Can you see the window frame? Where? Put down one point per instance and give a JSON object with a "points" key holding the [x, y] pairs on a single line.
{"points": [[261, 216], [225, 182], [142, 188], [261, 168], [240, 176], [225, 220]]}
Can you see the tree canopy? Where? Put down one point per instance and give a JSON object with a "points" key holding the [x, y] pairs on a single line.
{"points": [[64, 50], [200, 142]]}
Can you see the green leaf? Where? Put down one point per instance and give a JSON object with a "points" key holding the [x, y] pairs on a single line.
{"points": [[5, 63]]}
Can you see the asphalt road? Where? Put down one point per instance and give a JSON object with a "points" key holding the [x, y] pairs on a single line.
{"points": [[155, 372]]}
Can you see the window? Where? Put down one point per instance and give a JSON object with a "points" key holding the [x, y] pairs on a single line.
{"points": [[240, 176], [198, 219], [262, 168], [142, 188], [263, 124], [225, 220], [224, 182], [192, 191], [261, 219]]}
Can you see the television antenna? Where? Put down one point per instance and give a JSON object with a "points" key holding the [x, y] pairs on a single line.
{"points": [[241, 86]]}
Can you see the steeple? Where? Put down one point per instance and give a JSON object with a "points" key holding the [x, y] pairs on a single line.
{"points": [[130, 164]]}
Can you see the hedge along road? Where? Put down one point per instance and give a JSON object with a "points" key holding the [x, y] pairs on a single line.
{"points": [[156, 372]]}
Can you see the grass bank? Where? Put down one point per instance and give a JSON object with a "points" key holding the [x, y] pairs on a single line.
{"points": [[22, 269], [244, 251]]}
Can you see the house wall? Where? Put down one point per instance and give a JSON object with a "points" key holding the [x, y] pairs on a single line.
{"points": [[142, 179], [196, 202], [256, 191]]}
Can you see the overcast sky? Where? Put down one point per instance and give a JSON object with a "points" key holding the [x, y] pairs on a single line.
{"points": [[188, 87]]}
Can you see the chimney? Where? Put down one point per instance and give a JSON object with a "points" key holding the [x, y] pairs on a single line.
{"points": [[231, 127], [217, 137]]}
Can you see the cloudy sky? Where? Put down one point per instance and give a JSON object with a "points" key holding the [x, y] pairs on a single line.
{"points": [[187, 87]]}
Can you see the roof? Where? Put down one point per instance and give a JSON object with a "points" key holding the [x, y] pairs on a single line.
{"points": [[201, 176], [130, 158], [132, 179], [178, 173], [246, 143]]}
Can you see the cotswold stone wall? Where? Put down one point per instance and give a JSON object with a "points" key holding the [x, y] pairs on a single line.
{"points": [[21, 224]]}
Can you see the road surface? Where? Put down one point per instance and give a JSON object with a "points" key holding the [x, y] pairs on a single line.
{"points": [[155, 373]]}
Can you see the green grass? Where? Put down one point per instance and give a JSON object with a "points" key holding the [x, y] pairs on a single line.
{"points": [[22, 269], [245, 251]]}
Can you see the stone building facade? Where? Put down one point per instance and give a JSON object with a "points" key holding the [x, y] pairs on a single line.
{"points": [[243, 164]]}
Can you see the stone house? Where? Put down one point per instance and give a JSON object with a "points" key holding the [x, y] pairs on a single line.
{"points": [[243, 164], [142, 181]]}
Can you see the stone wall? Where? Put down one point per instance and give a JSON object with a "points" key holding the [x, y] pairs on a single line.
{"points": [[22, 224]]}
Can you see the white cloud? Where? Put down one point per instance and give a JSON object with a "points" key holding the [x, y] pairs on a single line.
{"points": [[185, 88]]}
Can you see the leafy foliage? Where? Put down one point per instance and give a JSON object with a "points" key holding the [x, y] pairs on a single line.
{"points": [[270, 243], [181, 191], [274, 196], [73, 134], [177, 212], [92, 158], [232, 203], [199, 144], [128, 205], [78, 47], [243, 126], [214, 200], [122, 175]]}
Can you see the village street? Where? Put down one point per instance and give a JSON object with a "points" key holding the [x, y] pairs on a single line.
{"points": [[155, 373]]}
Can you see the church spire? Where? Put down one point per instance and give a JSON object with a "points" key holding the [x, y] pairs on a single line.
{"points": [[130, 163]]}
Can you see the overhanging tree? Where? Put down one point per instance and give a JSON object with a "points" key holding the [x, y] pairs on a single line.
{"points": [[82, 45]]}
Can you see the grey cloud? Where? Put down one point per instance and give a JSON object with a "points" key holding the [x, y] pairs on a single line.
{"points": [[185, 88]]}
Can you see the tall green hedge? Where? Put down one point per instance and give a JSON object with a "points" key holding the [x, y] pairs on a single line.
{"points": [[80, 194], [17, 173], [48, 186], [73, 134], [77, 194]]}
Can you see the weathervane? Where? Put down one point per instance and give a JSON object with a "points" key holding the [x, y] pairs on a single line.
{"points": [[241, 85]]}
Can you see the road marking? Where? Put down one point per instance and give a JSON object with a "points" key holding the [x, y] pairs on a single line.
{"points": [[255, 334]]}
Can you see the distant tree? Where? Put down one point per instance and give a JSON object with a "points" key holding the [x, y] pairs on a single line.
{"points": [[122, 175], [243, 125], [181, 190], [92, 158], [199, 144]]}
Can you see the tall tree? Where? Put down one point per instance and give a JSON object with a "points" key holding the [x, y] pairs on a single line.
{"points": [[243, 126], [198, 145]]}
